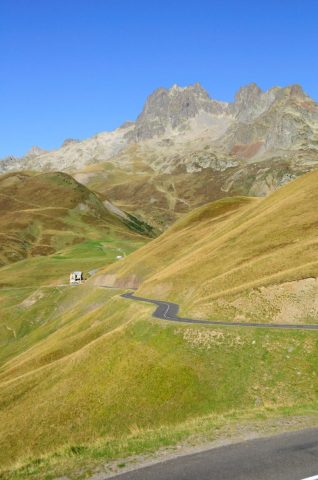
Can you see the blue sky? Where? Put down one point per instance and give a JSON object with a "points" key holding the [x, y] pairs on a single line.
{"points": [[73, 68]]}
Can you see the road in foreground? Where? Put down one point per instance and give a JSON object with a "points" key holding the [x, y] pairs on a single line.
{"points": [[291, 456], [169, 311]]}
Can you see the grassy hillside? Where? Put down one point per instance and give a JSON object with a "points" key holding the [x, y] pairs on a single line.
{"points": [[41, 214], [88, 257], [176, 181], [225, 259], [100, 379], [87, 376], [171, 195]]}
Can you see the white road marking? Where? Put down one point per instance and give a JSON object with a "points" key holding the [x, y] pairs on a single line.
{"points": [[168, 306], [311, 478]]}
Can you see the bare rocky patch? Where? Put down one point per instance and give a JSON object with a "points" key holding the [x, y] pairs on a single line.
{"points": [[289, 302]]}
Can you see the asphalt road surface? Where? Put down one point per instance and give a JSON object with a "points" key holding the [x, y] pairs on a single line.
{"points": [[291, 456], [169, 311]]}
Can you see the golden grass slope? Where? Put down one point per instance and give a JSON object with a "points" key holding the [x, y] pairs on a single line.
{"points": [[223, 259]]}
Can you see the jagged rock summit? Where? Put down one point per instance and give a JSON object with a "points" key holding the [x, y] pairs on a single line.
{"points": [[186, 148], [256, 122], [168, 109], [69, 141], [35, 151]]}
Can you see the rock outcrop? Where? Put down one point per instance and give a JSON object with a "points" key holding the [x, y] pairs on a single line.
{"points": [[168, 109]]}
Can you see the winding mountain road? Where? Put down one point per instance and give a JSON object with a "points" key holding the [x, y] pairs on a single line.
{"points": [[169, 311]]}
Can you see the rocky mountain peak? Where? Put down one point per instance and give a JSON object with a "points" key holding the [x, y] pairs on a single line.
{"points": [[69, 141], [248, 93], [195, 89], [295, 91], [251, 101], [292, 93], [35, 151], [189, 131], [167, 109]]}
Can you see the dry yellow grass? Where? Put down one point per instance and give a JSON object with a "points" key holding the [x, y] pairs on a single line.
{"points": [[229, 248]]}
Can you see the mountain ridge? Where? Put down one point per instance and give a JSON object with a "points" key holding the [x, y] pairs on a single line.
{"points": [[186, 148], [178, 104]]}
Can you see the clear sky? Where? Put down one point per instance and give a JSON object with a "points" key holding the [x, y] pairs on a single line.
{"points": [[73, 68]]}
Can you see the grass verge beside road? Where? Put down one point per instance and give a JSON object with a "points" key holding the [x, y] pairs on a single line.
{"points": [[108, 456]]}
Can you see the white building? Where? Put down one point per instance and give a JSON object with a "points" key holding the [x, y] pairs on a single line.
{"points": [[76, 278]]}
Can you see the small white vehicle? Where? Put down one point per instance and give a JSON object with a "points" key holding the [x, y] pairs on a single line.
{"points": [[76, 278]]}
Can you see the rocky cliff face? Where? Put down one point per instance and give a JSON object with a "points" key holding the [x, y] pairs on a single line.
{"points": [[168, 110], [250, 102], [281, 118], [186, 148]]}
